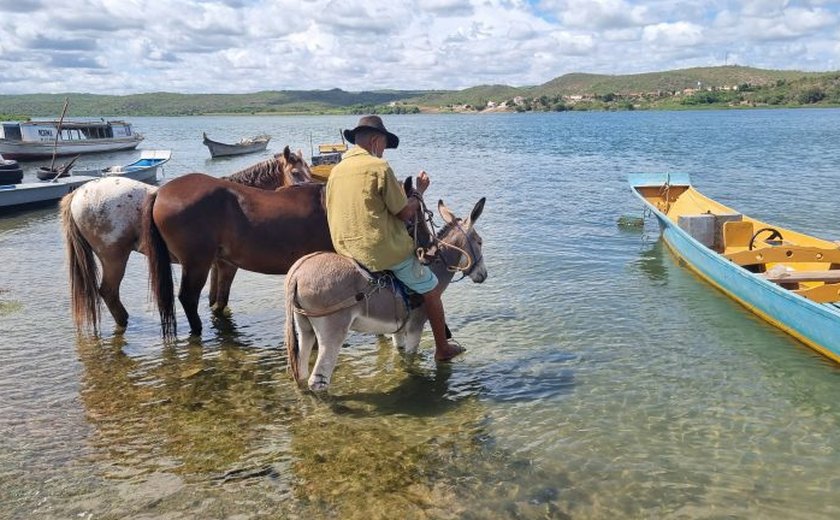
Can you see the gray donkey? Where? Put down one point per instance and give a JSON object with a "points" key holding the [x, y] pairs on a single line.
{"points": [[328, 295]]}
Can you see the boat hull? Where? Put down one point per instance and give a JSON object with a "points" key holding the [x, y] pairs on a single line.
{"points": [[14, 197], [815, 324], [21, 150], [218, 149]]}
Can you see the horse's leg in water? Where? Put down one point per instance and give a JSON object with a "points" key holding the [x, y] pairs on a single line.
{"points": [[193, 277], [214, 283], [113, 269], [225, 273], [331, 331]]}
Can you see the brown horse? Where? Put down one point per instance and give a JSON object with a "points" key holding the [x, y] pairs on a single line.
{"points": [[198, 219], [102, 218]]}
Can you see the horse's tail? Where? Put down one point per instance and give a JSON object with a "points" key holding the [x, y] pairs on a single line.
{"points": [[292, 346], [160, 269], [83, 271]]}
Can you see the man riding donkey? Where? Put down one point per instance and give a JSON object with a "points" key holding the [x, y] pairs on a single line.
{"points": [[367, 210]]}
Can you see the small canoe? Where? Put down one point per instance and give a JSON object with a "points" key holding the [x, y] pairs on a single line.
{"points": [[246, 145], [144, 169], [45, 173], [790, 279]]}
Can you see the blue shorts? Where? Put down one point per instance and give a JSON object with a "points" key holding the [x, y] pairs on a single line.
{"points": [[416, 276]]}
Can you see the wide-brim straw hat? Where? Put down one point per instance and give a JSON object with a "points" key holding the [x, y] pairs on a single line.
{"points": [[372, 123]]}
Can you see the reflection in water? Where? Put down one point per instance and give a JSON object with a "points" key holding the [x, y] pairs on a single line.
{"points": [[408, 447], [191, 411], [650, 262], [394, 439], [542, 374]]}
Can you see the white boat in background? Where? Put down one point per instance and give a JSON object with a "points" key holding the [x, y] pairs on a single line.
{"points": [[144, 169], [39, 139]]}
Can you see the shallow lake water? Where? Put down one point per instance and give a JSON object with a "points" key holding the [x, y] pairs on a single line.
{"points": [[601, 378]]}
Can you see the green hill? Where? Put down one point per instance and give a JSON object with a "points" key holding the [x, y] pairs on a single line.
{"points": [[171, 104], [687, 88], [579, 84]]}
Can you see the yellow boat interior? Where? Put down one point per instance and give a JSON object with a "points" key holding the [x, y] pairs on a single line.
{"points": [[328, 156], [804, 264]]}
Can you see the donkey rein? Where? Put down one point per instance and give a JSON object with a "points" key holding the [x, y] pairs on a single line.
{"points": [[429, 217]]}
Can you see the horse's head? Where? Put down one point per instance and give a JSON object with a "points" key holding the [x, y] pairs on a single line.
{"points": [[461, 238], [295, 169], [284, 169]]}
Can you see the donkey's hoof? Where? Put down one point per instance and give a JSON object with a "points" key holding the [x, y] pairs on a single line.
{"points": [[319, 383]]}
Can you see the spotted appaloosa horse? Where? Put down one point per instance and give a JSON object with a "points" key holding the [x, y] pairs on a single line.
{"points": [[327, 296], [102, 219]]}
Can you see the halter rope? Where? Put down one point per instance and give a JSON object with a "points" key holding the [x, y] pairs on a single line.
{"points": [[471, 257]]}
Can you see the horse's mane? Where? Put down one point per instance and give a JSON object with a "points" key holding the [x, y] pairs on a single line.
{"points": [[267, 174]]}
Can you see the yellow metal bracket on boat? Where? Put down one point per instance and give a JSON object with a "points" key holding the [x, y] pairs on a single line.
{"points": [[787, 254]]}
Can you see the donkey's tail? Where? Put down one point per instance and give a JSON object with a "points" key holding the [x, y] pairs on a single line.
{"points": [[160, 269], [83, 271], [292, 346]]}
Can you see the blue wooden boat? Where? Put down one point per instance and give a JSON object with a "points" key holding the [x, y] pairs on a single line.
{"points": [[789, 279], [144, 169]]}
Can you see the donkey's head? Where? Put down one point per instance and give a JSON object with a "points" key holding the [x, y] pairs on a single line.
{"points": [[459, 245]]}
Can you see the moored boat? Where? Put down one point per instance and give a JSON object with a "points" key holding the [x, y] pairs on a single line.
{"points": [[39, 139], [245, 145], [144, 169], [328, 156], [790, 279], [14, 197], [22, 195]]}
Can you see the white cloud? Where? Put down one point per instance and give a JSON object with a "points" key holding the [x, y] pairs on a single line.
{"points": [[109, 46], [679, 34]]}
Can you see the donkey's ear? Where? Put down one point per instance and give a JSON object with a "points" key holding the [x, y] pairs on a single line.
{"points": [[476, 212], [407, 185], [286, 152], [300, 154], [445, 213]]}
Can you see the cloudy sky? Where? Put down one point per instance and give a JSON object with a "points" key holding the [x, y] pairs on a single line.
{"points": [[236, 46]]}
